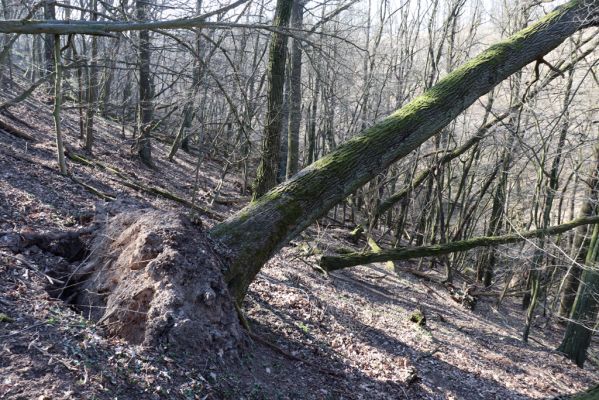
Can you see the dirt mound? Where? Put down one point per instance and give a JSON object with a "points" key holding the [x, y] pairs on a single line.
{"points": [[152, 278]]}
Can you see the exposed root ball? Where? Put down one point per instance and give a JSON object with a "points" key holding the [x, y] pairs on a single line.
{"points": [[152, 277]]}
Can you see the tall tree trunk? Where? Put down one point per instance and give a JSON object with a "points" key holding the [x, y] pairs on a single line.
{"points": [[487, 263], [295, 92], [579, 331], [267, 170], [581, 243], [143, 145], [538, 270], [57, 105], [92, 85], [49, 14], [255, 233]]}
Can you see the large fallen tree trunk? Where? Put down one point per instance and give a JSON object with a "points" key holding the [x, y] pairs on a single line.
{"points": [[331, 263], [255, 233], [559, 71]]}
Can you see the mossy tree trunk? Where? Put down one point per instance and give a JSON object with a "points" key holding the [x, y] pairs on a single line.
{"points": [[255, 233], [331, 263], [581, 243], [143, 144], [579, 331], [266, 176], [295, 95]]}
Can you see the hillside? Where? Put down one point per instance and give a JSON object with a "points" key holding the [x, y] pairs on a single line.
{"points": [[345, 335]]}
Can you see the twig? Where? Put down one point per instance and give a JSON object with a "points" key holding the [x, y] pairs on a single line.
{"points": [[29, 266], [127, 181]]}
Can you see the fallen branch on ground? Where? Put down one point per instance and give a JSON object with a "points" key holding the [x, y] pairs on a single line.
{"points": [[127, 181], [14, 131], [334, 262]]}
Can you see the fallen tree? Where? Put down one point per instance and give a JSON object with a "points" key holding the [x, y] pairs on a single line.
{"points": [[255, 233], [144, 282], [483, 131], [335, 262]]}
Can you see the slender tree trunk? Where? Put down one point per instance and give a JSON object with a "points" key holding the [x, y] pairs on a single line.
{"points": [[57, 105], [106, 96], [92, 85], [267, 170], [143, 145], [487, 263], [581, 243], [579, 331], [49, 14], [538, 270], [295, 92]]}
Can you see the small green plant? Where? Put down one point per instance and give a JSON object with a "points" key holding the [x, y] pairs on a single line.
{"points": [[5, 318], [418, 317], [305, 328]]}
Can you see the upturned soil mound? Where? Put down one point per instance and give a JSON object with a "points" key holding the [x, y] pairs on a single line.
{"points": [[152, 278]]}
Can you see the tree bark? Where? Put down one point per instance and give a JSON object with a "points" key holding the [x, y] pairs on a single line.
{"points": [[579, 331], [57, 105], [269, 164], [255, 233], [143, 144], [92, 85], [581, 243], [331, 263], [49, 14], [295, 95]]}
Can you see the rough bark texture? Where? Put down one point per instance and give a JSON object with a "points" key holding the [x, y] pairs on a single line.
{"points": [[583, 318], [255, 233], [295, 95], [581, 243], [143, 144], [269, 164], [331, 263]]}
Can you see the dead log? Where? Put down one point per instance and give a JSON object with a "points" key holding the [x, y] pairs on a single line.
{"points": [[340, 261], [124, 179], [14, 131]]}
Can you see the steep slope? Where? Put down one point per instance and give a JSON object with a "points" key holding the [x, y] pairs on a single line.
{"points": [[347, 335]]}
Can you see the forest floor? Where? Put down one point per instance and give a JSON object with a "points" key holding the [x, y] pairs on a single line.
{"points": [[345, 335]]}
